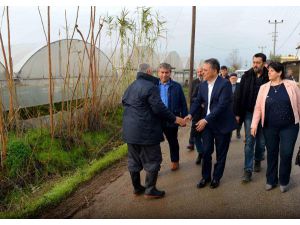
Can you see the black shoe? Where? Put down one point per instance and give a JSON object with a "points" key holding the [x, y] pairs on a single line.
{"points": [[136, 182], [202, 183], [247, 176], [257, 166], [190, 147], [199, 158], [238, 135], [151, 191], [214, 184]]}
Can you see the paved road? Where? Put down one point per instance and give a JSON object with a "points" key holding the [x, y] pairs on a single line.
{"points": [[231, 199]]}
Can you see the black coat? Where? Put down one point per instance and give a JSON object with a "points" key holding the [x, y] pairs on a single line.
{"points": [[234, 96], [199, 112], [245, 96], [194, 91], [144, 112]]}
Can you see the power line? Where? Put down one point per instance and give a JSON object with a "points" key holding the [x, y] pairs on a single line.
{"points": [[275, 34], [290, 35], [262, 48]]}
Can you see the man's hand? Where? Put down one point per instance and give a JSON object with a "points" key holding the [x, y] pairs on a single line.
{"points": [[200, 125], [253, 131], [237, 118], [188, 118], [181, 122]]}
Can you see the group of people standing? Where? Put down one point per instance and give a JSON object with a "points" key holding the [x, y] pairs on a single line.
{"points": [[267, 104]]}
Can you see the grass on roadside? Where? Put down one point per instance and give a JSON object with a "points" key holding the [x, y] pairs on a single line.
{"points": [[64, 188]]}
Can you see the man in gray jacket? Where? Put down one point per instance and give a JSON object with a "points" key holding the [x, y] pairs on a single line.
{"points": [[142, 130]]}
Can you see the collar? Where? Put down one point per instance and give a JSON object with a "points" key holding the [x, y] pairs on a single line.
{"points": [[168, 83], [145, 76], [212, 82]]}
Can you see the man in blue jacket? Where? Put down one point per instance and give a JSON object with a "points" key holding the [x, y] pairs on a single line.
{"points": [[173, 97], [216, 123], [142, 130]]}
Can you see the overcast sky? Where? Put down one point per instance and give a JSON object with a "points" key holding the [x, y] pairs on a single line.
{"points": [[219, 30]]}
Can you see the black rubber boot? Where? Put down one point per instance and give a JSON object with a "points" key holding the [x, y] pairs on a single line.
{"points": [[136, 182], [151, 191]]}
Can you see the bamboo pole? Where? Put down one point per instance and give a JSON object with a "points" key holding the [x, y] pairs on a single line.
{"points": [[67, 75], [3, 135], [12, 91], [50, 78]]}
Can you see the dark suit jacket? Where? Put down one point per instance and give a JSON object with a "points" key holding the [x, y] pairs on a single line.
{"points": [[221, 118], [194, 90], [237, 89]]}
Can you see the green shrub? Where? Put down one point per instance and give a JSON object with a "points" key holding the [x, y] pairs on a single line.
{"points": [[53, 161], [117, 116], [78, 156], [94, 140], [18, 157], [40, 140]]}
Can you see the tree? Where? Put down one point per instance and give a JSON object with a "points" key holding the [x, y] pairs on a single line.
{"points": [[275, 57], [234, 60]]}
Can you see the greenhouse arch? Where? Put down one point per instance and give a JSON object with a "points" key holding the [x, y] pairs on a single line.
{"points": [[35, 65]]}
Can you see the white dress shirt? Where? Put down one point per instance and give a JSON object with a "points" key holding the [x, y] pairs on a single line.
{"points": [[210, 88]]}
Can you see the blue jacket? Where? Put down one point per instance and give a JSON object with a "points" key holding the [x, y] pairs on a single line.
{"points": [[176, 102], [144, 111], [221, 118]]}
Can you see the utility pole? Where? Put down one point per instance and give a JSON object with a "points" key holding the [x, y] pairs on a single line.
{"points": [[262, 48], [192, 50], [275, 34]]}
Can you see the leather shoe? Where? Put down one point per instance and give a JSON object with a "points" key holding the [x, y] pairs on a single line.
{"points": [[214, 184], [174, 166], [202, 183]]}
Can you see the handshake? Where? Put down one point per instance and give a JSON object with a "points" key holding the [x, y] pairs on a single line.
{"points": [[200, 125], [183, 121]]}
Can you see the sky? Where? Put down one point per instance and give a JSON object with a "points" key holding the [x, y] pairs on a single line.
{"points": [[220, 29]]}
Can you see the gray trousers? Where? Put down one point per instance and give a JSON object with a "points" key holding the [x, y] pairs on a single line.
{"points": [[147, 157]]}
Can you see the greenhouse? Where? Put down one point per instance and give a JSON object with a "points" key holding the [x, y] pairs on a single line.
{"points": [[35, 66], [2, 72], [174, 60]]}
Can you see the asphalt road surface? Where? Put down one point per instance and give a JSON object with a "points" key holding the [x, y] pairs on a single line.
{"points": [[231, 199]]}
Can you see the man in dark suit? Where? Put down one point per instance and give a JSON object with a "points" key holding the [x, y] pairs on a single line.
{"points": [[235, 86], [195, 136], [194, 91], [217, 122]]}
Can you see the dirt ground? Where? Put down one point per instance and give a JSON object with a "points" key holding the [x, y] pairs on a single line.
{"points": [[109, 194], [84, 196]]}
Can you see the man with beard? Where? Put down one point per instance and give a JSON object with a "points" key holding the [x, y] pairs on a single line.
{"points": [[245, 100]]}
